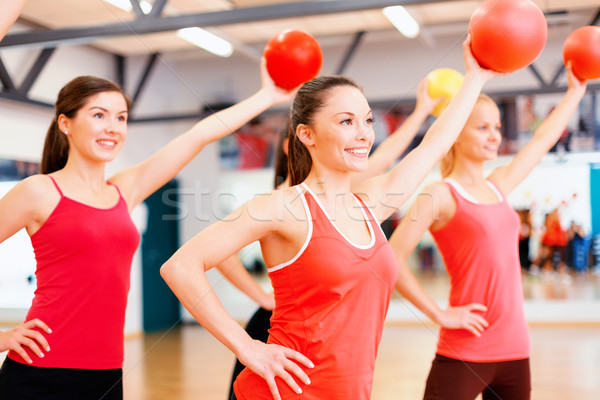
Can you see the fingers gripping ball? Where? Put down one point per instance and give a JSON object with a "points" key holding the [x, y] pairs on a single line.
{"points": [[507, 35], [443, 82], [293, 57], [582, 48]]}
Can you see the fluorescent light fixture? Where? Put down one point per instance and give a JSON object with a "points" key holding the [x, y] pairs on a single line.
{"points": [[207, 41], [402, 20], [126, 5]]}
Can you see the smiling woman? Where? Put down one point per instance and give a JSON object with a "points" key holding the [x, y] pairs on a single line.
{"points": [[329, 311], [71, 345]]}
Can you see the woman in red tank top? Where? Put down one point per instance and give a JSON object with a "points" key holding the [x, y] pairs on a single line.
{"points": [[332, 270], [84, 239], [484, 341], [386, 154]]}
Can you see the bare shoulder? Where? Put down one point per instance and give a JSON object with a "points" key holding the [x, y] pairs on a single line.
{"points": [[282, 205], [443, 203], [439, 190], [31, 201], [36, 188]]}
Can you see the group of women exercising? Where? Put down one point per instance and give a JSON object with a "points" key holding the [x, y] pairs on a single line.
{"points": [[331, 267]]}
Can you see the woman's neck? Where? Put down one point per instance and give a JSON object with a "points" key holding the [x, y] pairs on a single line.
{"points": [[85, 173], [467, 171], [329, 185]]}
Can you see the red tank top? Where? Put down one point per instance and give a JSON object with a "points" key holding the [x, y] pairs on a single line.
{"points": [[83, 259], [480, 250], [331, 302]]}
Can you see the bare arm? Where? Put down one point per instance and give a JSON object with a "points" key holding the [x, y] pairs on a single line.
{"points": [[184, 272], [235, 272], [424, 212], [386, 193], [545, 136], [19, 209], [9, 12], [393, 146], [141, 180]]}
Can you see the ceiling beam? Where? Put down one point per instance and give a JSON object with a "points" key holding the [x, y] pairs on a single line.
{"points": [[5, 78], [137, 8], [36, 70], [157, 8], [15, 96], [142, 83], [140, 26], [357, 39], [537, 74]]}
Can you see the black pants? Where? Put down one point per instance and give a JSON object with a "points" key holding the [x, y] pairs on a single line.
{"points": [[258, 329], [451, 379], [25, 382]]}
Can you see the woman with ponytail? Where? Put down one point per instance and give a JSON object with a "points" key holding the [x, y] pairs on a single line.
{"points": [[331, 266], [84, 239], [484, 340], [383, 158]]}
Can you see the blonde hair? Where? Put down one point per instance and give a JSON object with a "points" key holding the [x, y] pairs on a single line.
{"points": [[447, 163]]}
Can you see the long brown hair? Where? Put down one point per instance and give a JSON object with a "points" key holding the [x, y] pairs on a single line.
{"points": [[281, 158], [447, 163], [70, 99], [309, 99]]}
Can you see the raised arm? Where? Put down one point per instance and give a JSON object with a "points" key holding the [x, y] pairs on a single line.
{"points": [[184, 272], [545, 136], [9, 12], [235, 272], [141, 180], [386, 193], [394, 145], [425, 212]]}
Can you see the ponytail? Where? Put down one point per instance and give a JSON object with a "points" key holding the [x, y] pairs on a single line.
{"points": [[281, 158], [299, 159], [447, 163], [56, 150]]}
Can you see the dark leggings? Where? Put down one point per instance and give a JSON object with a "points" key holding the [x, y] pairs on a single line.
{"points": [[25, 382], [451, 379], [258, 329]]}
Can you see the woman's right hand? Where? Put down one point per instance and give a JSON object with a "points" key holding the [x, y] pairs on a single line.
{"points": [[271, 360], [465, 317], [278, 95], [472, 66], [269, 301], [424, 101], [25, 336]]}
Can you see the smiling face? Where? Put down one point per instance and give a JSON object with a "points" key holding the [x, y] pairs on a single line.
{"points": [[341, 134], [99, 128], [481, 135]]}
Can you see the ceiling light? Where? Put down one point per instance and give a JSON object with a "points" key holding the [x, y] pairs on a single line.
{"points": [[402, 20], [207, 41], [126, 5]]}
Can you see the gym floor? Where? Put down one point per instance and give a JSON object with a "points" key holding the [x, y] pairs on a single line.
{"points": [[188, 363]]}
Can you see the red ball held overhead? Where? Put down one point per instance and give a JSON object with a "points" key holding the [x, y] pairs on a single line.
{"points": [[582, 48], [507, 35], [293, 57]]}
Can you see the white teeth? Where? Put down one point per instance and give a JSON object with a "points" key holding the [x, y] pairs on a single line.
{"points": [[357, 151], [106, 142]]}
